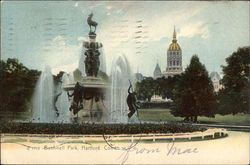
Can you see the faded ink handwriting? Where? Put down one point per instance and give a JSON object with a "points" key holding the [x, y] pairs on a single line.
{"points": [[173, 150], [170, 150]]}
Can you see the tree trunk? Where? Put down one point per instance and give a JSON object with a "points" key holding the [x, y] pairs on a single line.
{"points": [[186, 119], [195, 119], [192, 118], [149, 99]]}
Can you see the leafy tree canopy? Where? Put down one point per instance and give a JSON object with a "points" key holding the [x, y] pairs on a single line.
{"points": [[234, 98], [145, 89], [166, 87], [194, 95], [16, 85]]}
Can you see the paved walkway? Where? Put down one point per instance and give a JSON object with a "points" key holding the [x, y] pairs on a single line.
{"points": [[229, 127], [233, 149]]}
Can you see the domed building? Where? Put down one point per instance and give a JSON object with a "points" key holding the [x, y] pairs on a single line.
{"points": [[174, 58]]}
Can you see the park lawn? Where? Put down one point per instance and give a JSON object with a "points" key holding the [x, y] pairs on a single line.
{"points": [[157, 115], [165, 115]]}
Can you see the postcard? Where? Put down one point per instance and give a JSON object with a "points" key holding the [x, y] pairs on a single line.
{"points": [[124, 82]]}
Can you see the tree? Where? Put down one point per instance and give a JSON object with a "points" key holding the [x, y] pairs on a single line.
{"points": [[165, 87], [145, 89], [16, 85], [234, 97], [194, 96]]}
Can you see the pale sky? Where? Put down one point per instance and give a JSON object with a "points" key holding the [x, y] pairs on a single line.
{"points": [[51, 33]]}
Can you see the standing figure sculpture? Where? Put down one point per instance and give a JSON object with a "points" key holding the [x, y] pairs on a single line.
{"points": [[91, 22], [132, 102], [78, 95], [92, 62]]}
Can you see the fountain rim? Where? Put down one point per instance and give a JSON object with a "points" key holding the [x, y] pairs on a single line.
{"points": [[71, 86]]}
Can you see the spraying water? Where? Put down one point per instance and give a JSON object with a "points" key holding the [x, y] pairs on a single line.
{"points": [[63, 102], [102, 60], [121, 74], [81, 65], [43, 107], [71, 78]]}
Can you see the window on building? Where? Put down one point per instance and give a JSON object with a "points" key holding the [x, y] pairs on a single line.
{"points": [[177, 63], [170, 63], [173, 63]]}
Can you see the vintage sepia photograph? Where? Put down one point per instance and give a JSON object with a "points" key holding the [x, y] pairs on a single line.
{"points": [[125, 82]]}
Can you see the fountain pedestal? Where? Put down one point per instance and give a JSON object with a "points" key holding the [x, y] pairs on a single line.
{"points": [[94, 106], [94, 88]]}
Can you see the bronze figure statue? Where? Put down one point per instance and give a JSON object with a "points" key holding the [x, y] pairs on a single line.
{"points": [[56, 96], [77, 98], [132, 102], [91, 23], [92, 62], [54, 104]]}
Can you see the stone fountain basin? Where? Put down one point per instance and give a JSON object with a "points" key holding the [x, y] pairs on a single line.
{"points": [[89, 82], [94, 91]]}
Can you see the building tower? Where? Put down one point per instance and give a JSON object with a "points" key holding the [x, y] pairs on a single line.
{"points": [[174, 58], [215, 78], [157, 72]]}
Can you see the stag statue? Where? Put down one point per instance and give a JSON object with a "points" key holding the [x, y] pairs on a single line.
{"points": [[91, 22]]}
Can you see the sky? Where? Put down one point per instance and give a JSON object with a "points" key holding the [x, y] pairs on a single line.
{"points": [[41, 33]]}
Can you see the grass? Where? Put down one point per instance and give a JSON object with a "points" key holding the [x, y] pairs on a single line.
{"points": [[165, 115], [157, 115]]}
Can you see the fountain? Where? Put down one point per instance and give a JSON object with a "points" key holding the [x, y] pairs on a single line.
{"points": [[93, 100], [81, 65], [63, 102], [121, 74], [71, 77], [102, 60], [88, 104], [43, 105]]}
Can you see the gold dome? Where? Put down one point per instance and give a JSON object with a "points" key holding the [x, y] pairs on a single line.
{"points": [[174, 46]]}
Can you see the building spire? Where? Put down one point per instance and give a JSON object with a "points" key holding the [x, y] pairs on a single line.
{"points": [[174, 36]]}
